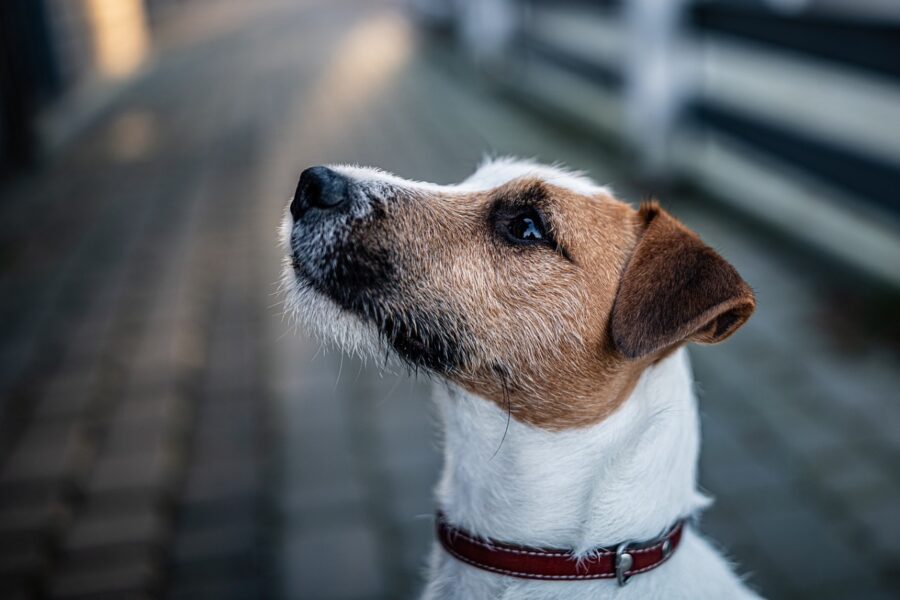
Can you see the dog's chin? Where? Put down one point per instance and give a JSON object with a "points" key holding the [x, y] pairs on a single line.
{"points": [[393, 344], [307, 305], [327, 321]]}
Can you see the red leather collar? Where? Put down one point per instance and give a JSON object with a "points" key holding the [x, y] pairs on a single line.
{"points": [[620, 563]]}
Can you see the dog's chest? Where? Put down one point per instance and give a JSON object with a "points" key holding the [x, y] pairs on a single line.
{"points": [[627, 478]]}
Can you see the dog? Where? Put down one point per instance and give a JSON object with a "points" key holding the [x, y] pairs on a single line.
{"points": [[554, 318]]}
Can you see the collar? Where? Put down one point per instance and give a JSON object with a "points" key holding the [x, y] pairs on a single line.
{"points": [[619, 562]]}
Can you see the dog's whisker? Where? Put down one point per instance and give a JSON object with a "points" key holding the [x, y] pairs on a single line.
{"points": [[508, 415]]}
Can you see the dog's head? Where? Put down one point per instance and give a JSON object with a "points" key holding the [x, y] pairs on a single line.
{"points": [[528, 285]]}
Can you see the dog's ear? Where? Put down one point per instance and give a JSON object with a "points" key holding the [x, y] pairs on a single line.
{"points": [[675, 289]]}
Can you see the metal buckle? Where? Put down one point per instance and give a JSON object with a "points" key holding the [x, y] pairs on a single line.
{"points": [[624, 562]]}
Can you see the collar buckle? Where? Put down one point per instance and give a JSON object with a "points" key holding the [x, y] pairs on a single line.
{"points": [[623, 564]]}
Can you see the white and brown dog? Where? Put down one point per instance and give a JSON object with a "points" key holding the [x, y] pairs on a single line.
{"points": [[554, 317]]}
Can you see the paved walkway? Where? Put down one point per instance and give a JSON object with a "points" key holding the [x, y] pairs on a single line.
{"points": [[165, 433]]}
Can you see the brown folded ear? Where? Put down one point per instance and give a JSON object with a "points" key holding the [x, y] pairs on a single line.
{"points": [[675, 289]]}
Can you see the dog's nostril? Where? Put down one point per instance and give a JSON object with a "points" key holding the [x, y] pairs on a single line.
{"points": [[321, 188]]}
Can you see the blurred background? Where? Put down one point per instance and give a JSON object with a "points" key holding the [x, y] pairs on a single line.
{"points": [[165, 433]]}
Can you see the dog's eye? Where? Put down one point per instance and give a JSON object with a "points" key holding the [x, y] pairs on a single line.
{"points": [[522, 226], [527, 229]]}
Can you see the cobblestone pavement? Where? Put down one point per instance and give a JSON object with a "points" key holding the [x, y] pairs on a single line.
{"points": [[165, 433]]}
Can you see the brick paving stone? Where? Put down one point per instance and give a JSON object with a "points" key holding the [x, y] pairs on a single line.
{"points": [[330, 443], [40, 509], [116, 529], [141, 437], [317, 498], [882, 522], [16, 589], [148, 410], [852, 473], [228, 444], [315, 574], [216, 542], [225, 479], [49, 452], [217, 511], [232, 588], [114, 578], [793, 536], [417, 543], [851, 588], [66, 397], [149, 472], [22, 554]]}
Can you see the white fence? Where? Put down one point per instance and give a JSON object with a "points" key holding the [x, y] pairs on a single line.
{"points": [[788, 109]]}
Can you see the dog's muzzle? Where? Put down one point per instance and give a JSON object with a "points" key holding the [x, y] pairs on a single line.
{"points": [[332, 240]]}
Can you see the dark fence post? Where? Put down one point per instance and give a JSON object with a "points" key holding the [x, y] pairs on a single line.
{"points": [[28, 75]]}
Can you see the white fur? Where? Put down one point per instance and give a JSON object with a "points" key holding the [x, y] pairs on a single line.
{"points": [[626, 478], [491, 173]]}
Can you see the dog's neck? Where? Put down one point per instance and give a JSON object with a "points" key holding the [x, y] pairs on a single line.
{"points": [[626, 478]]}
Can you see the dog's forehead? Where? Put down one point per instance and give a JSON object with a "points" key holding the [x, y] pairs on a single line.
{"points": [[494, 173], [491, 174]]}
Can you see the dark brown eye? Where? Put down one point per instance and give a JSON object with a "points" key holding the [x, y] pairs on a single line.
{"points": [[519, 224], [527, 229]]}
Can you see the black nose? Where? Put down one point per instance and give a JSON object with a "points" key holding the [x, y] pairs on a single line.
{"points": [[319, 187]]}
